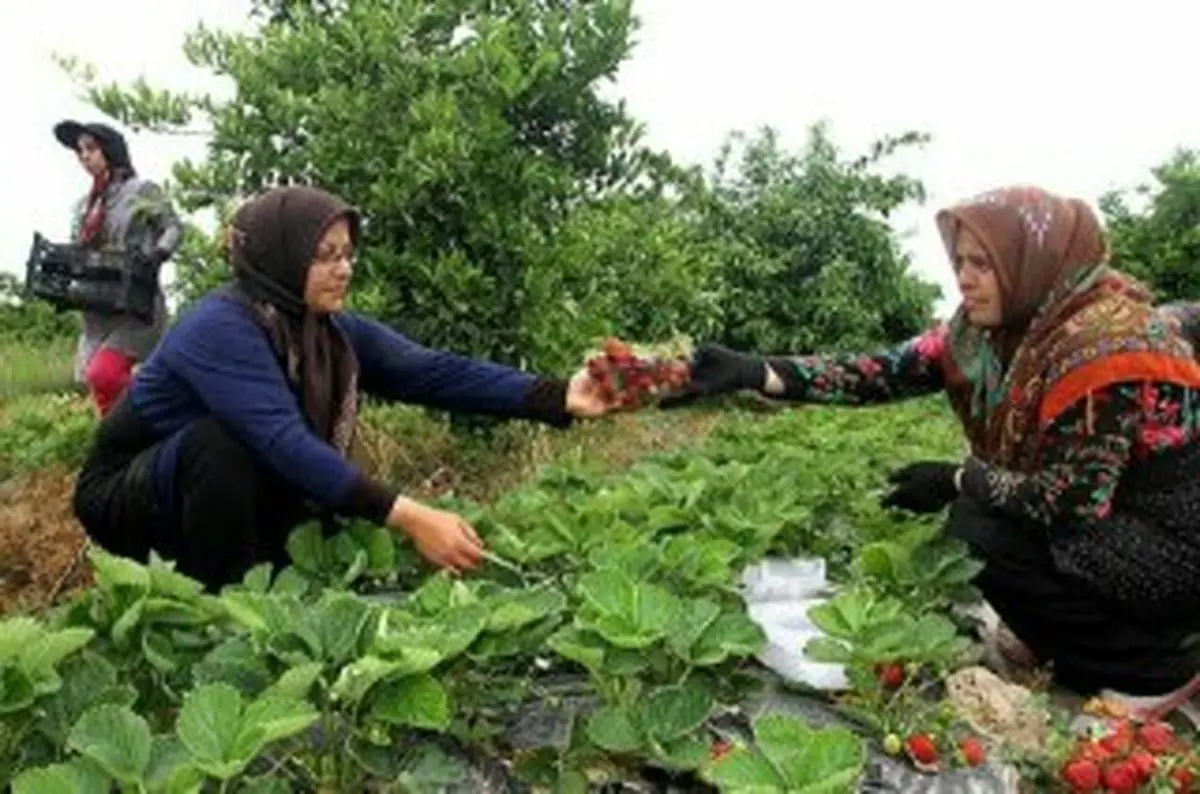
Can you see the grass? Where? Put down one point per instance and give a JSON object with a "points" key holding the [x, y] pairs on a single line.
{"points": [[28, 368]]}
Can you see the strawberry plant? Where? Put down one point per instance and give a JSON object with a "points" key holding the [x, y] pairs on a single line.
{"points": [[354, 668]]}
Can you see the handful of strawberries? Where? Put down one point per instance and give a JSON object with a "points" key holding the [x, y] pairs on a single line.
{"points": [[630, 380], [1123, 757]]}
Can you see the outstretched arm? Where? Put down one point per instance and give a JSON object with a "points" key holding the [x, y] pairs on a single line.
{"points": [[907, 370], [394, 367]]}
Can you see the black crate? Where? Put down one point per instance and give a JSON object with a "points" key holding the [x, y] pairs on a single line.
{"points": [[75, 277]]}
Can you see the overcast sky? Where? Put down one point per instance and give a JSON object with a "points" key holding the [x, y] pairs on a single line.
{"points": [[1071, 95]]}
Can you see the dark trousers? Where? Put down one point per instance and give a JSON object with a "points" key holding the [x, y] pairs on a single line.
{"points": [[229, 512], [1092, 642]]}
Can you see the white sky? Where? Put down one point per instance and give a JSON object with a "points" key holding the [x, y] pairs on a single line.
{"points": [[1071, 95]]}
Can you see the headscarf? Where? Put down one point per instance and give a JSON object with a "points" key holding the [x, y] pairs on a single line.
{"points": [[271, 245], [1070, 323]]}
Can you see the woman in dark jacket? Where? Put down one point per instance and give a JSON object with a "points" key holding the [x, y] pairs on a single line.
{"points": [[124, 212], [238, 426], [1081, 492]]}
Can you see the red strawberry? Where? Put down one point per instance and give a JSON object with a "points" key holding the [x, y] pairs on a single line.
{"points": [[1182, 780], [922, 750], [972, 751], [1081, 774], [1093, 750], [1157, 737], [891, 674], [719, 749], [1145, 764], [1121, 777], [1119, 738]]}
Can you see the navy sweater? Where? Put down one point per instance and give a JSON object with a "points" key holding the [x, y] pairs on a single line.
{"points": [[217, 361]]}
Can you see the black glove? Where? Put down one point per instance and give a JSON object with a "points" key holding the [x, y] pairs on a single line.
{"points": [[717, 370], [924, 487]]}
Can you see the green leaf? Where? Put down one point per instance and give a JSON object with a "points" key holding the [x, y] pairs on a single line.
{"points": [[296, 682], [74, 777], [223, 733], [306, 547], [418, 701], [614, 730], [670, 713], [116, 739]]}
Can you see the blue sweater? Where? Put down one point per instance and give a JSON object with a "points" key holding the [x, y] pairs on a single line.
{"points": [[217, 361]]}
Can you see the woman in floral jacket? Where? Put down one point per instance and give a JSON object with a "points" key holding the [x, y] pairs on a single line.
{"points": [[1081, 492]]}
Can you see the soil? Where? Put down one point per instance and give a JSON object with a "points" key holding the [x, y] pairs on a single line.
{"points": [[40, 542]]}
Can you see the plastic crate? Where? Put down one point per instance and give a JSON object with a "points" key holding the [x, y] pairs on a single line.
{"points": [[73, 277]]}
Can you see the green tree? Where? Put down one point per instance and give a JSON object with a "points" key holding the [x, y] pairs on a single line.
{"points": [[1155, 227], [470, 132], [814, 263]]}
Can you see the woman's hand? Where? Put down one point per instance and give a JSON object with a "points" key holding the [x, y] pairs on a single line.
{"points": [[442, 537], [716, 370], [585, 398], [924, 487]]}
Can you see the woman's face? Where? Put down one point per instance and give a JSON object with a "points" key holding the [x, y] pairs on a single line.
{"points": [[977, 281], [332, 266], [90, 156]]}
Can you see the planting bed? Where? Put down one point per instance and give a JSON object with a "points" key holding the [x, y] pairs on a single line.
{"points": [[604, 646]]}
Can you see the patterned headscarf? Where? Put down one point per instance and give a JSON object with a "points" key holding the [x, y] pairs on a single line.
{"points": [[1063, 308]]}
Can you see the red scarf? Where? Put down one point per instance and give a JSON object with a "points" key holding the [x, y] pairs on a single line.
{"points": [[93, 219]]}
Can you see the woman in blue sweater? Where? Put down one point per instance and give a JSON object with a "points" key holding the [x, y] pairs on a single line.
{"points": [[238, 426]]}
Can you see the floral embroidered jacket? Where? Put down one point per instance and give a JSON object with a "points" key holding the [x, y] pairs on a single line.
{"points": [[1122, 463]]}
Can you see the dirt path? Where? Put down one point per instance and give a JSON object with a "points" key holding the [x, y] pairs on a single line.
{"points": [[39, 542]]}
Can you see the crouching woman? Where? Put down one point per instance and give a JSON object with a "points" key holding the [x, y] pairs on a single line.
{"points": [[1081, 492], [237, 429]]}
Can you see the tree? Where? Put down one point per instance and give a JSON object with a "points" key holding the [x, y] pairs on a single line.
{"points": [[815, 264], [469, 132], [1159, 241]]}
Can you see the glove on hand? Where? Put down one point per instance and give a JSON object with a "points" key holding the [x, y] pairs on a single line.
{"points": [[924, 487], [716, 370]]}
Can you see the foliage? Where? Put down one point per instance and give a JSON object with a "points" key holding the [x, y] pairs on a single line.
{"points": [[467, 132], [28, 320], [812, 263], [512, 211], [356, 665], [1160, 240]]}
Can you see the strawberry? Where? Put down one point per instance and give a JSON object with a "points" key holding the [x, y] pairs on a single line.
{"points": [[890, 674], [1157, 737], [922, 750], [1119, 738], [1145, 764], [1182, 780], [892, 744], [719, 749], [1121, 777], [1081, 774], [972, 751], [1093, 750]]}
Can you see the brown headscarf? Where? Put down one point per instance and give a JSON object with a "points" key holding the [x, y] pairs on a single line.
{"points": [[271, 245], [1070, 323]]}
